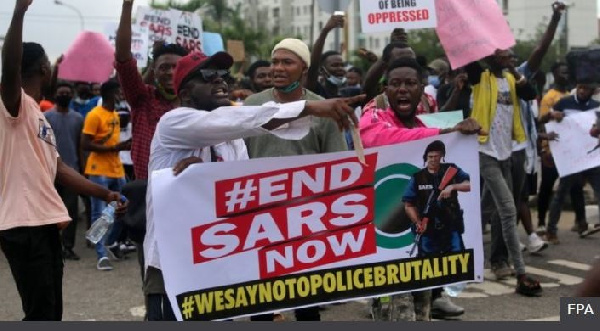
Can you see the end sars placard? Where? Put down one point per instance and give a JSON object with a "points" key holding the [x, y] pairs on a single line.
{"points": [[386, 15]]}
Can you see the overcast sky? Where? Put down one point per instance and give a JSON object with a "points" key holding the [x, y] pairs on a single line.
{"points": [[55, 27]]}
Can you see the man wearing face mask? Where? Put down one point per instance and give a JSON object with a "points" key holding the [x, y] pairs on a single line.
{"points": [[148, 102], [438, 71], [290, 62], [83, 101], [67, 125], [333, 75]]}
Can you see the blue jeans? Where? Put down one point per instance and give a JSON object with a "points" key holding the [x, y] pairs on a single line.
{"points": [[564, 188], [113, 184]]}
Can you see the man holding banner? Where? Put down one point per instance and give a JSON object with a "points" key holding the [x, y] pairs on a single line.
{"points": [[391, 119], [580, 102], [206, 127], [290, 60]]}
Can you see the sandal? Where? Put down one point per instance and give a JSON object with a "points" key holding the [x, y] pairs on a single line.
{"points": [[528, 286]]}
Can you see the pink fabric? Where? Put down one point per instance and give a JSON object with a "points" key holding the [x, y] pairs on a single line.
{"points": [[89, 59], [381, 128], [470, 30], [28, 163], [433, 106]]}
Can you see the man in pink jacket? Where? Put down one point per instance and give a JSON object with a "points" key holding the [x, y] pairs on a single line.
{"points": [[391, 118]]}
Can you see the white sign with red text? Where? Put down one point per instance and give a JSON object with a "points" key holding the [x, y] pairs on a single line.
{"points": [[172, 26], [249, 237], [386, 15]]}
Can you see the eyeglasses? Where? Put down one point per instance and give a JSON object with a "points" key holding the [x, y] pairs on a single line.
{"points": [[211, 74]]}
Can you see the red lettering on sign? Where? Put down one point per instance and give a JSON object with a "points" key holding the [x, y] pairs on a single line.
{"points": [[398, 16], [282, 224], [317, 250], [235, 196]]}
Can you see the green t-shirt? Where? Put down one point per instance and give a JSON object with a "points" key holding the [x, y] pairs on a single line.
{"points": [[324, 135]]}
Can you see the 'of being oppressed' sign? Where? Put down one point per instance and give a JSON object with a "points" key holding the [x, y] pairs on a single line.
{"points": [[385, 15]]}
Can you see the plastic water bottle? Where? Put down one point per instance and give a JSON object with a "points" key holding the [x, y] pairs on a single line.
{"points": [[455, 290], [100, 227]]}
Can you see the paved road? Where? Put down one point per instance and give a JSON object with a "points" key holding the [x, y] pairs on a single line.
{"points": [[116, 295]]}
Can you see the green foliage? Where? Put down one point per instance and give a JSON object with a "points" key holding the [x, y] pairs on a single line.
{"points": [[218, 17], [425, 42]]}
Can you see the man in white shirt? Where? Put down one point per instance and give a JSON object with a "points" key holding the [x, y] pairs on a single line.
{"points": [[209, 128]]}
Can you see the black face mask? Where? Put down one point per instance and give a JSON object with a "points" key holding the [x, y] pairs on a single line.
{"points": [[63, 100]]}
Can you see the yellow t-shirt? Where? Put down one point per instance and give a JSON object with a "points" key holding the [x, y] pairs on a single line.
{"points": [[550, 99], [104, 127]]}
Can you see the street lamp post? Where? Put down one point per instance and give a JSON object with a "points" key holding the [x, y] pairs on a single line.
{"points": [[81, 21]]}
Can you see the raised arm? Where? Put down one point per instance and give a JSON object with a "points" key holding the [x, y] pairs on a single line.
{"points": [[536, 57], [372, 79], [123, 42], [315, 61], [12, 53]]}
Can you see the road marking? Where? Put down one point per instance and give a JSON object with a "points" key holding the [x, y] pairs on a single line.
{"points": [[138, 311], [563, 279], [572, 265], [545, 319], [471, 295], [491, 288]]}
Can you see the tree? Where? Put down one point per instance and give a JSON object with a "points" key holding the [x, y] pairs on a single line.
{"points": [[425, 42], [524, 47]]}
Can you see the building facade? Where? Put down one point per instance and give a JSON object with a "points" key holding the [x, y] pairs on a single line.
{"points": [[304, 19], [578, 28]]}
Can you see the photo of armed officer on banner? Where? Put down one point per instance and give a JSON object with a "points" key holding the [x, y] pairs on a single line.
{"points": [[431, 203]]}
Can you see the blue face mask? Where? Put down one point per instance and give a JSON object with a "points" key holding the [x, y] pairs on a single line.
{"points": [[435, 81], [337, 81]]}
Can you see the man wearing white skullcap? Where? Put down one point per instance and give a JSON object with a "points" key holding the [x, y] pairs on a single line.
{"points": [[290, 61]]}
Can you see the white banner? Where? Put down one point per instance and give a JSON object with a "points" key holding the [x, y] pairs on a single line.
{"points": [[139, 41], [575, 150], [172, 26], [189, 30], [276, 234], [160, 24], [386, 15]]}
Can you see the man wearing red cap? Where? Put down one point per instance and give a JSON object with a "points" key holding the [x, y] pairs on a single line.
{"points": [[207, 128]]}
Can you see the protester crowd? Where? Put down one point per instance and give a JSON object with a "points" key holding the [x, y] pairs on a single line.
{"points": [[61, 141]]}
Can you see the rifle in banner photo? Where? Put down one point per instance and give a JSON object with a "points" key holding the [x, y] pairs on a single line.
{"points": [[431, 201]]}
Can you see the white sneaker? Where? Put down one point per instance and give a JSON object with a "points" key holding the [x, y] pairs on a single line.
{"points": [[104, 264], [522, 247], [535, 244]]}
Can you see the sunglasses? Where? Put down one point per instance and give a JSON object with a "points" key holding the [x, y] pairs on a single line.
{"points": [[208, 75]]}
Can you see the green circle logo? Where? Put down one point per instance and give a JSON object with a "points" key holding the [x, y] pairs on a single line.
{"points": [[391, 222]]}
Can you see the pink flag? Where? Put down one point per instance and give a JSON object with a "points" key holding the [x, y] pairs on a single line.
{"points": [[89, 59], [470, 30]]}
